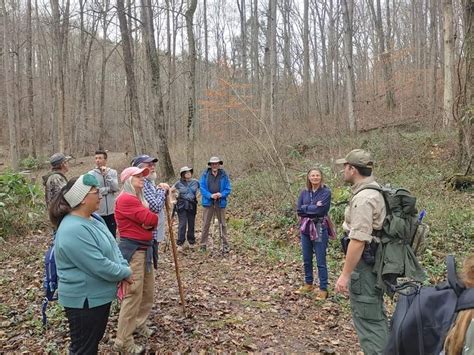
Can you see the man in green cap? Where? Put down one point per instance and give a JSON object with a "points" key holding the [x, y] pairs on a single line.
{"points": [[363, 217]]}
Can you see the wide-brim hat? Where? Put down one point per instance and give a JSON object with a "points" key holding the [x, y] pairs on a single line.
{"points": [[144, 158], [215, 160], [358, 157], [185, 169], [133, 171]]}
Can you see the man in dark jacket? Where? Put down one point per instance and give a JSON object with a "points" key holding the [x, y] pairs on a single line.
{"points": [[55, 180], [215, 187]]}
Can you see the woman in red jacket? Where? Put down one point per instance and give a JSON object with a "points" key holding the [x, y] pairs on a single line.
{"points": [[135, 223]]}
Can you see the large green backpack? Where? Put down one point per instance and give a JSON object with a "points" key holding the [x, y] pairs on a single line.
{"points": [[402, 233]]}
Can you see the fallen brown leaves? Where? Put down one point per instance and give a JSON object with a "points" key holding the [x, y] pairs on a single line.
{"points": [[234, 304]]}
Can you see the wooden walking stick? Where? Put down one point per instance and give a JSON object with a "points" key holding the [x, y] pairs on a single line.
{"points": [[175, 252]]}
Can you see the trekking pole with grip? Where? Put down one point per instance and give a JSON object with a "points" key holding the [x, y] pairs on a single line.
{"points": [[175, 253]]}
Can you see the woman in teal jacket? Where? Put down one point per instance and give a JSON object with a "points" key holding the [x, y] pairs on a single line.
{"points": [[89, 263]]}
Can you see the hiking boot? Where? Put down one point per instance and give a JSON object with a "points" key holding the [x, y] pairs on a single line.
{"points": [[144, 331], [129, 349], [321, 295], [306, 288], [179, 248]]}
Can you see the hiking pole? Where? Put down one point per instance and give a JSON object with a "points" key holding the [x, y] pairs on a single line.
{"points": [[175, 253], [173, 214]]}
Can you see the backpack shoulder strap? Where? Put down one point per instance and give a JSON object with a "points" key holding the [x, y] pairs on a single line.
{"points": [[453, 279], [376, 188], [466, 300], [379, 189]]}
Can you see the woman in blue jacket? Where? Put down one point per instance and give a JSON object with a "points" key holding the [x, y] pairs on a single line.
{"points": [[186, 206], [89, 263], [312, 208]]}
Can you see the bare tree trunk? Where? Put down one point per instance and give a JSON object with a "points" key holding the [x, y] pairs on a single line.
{"points": [[243, 36], [384, 55], [29, 75], [83, 138], [206, 64], [317, 81], [131, 82], [8, 67], [285, 10], [273, 69], [166, 167], [60, 33], [331, 58], [254, 60], [265, 92], [306, 74], [190, 124], [348, 10], [466, 122], [434, 53], [324, 58], [448, 95], [103, 70]]}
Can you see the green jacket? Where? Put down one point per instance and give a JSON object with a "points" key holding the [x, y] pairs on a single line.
{"points": [[88, 261], [394, 257]]}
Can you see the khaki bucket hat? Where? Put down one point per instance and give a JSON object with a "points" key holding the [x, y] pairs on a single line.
{"points": [[215, 160]]}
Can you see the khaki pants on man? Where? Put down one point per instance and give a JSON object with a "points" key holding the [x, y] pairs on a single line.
{"points": [[368, 310], [207, 218], [137, 304]]}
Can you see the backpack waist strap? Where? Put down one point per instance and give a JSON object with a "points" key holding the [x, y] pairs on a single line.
{"points": [[465, 300]]}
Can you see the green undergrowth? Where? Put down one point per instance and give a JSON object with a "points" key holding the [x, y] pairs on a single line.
{"points": [[21, 205], [419, 161]]}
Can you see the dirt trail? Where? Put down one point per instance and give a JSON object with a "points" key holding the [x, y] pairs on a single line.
{"points": [[236, 303]]}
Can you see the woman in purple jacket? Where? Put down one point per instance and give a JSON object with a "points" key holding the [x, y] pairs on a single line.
{"points": [[312, 208]]}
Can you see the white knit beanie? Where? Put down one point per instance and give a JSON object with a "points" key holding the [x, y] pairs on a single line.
{"points": [[79, 190]]}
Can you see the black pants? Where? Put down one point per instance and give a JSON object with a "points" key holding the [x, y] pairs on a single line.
{"points": [[110, 221], [86, 327], [186, 218]]}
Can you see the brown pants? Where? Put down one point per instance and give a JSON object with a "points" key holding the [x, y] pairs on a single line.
{"points": [[207, 218], [137, 304]]}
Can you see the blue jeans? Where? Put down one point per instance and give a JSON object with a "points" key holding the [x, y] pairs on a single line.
{"points": [[309, 247]]}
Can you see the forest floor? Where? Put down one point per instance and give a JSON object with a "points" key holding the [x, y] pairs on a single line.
{"points": [[245, 302], [236, 303], [239, 303]]}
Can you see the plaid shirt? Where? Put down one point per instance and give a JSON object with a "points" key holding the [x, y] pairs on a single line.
{"points": [[156, 198]]}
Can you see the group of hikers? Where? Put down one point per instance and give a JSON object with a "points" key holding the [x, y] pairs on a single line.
{"points": [[94, 269]]}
